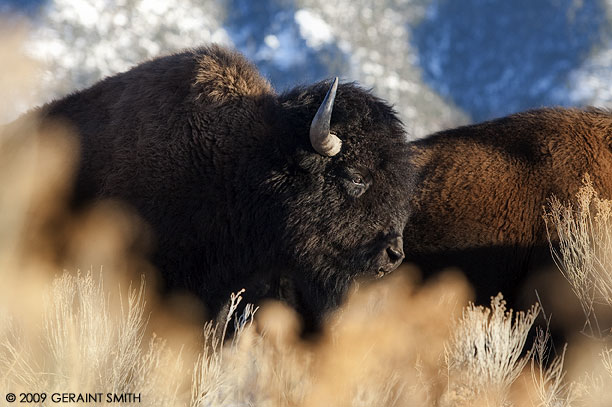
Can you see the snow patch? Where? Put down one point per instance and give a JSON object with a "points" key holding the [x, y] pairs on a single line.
{"points": [[81, 41], [158, 7], [282, 49], [272, 41], [313, 28], [590, 84]]}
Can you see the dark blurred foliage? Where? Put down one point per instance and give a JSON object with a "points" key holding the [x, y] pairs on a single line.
{"points": [[493, 57], [249, 23], [29, 7], [486, 58]]}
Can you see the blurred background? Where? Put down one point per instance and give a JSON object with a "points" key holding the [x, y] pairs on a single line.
{"points": [[440, 62]]}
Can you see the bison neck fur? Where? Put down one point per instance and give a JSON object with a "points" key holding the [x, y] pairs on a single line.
{"points": [[221, 167]]}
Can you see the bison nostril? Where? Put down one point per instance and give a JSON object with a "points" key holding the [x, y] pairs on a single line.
{"points": [[391, 257], [395, 250], [395, 253]]}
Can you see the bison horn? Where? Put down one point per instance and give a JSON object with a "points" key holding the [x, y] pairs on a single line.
{"points": [[322, 140]]}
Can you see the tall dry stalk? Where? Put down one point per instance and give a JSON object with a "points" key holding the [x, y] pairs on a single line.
{"points": [[549, 378], [95, 351], [584, 252], [483, 356], [215, 381]]}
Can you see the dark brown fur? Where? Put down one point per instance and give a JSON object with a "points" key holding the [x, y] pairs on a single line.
{"points": [[481, 189], [222, 169]]}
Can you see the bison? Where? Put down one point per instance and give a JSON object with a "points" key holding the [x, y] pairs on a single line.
{"points": [[291, 196], [480, 191]]}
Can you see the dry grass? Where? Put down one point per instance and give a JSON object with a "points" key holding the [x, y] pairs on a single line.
{"points": [[372, 353], [82, 347], [584, 255], [16, 95], [549, 378], [484, 353]]}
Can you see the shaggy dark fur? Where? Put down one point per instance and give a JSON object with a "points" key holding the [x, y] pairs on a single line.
{"points": [[481, 190], [223, 170]]}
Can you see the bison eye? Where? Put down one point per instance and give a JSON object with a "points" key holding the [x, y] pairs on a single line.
{"points": [[358, 180], [358, 185]]}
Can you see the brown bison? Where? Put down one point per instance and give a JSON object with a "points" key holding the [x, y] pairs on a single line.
{"points": [[290, 195], [480, 192]]}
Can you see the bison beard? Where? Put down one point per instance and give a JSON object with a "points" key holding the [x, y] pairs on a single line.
{"points": [[237, 195]]}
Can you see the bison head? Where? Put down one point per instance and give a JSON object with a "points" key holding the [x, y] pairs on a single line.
{"points": [[336, 183]]}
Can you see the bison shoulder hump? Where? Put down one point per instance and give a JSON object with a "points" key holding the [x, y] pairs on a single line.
{"points": [[224, 75]]}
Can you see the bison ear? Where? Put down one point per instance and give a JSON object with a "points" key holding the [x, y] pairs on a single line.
{"points": [[322, 140]]}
